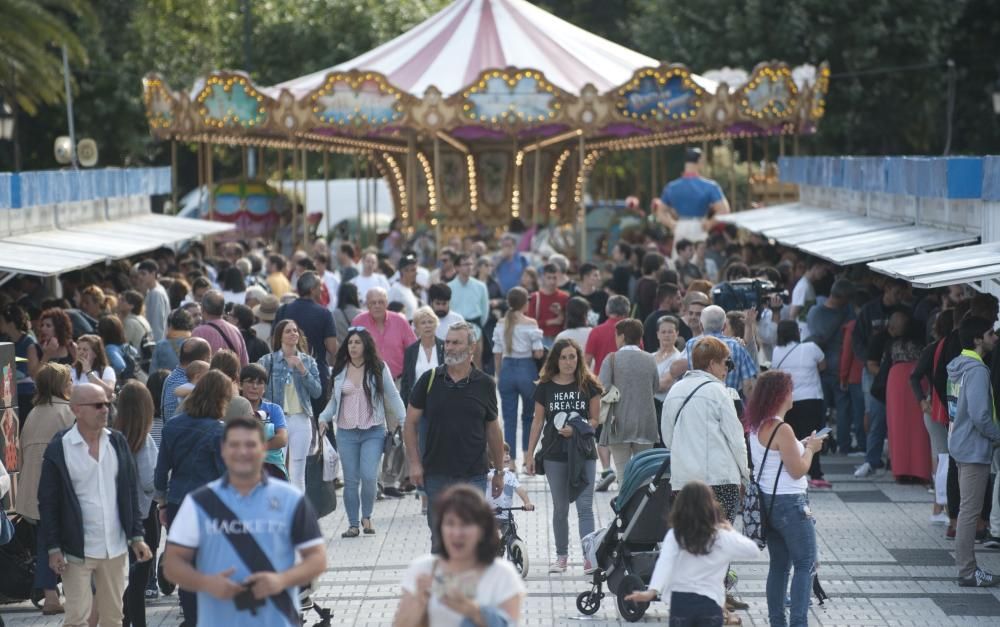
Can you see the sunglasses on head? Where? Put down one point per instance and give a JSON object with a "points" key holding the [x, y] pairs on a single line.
{"points": [[357, 329]]}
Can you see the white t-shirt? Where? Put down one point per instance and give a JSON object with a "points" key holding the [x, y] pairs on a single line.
{"points": [[496, 585], [801, 361], [506, 498], [399, 293], [677, 570], [108, 376], [580, 334], [803, 296], [365, 283], [445, 322], [664, 366]]}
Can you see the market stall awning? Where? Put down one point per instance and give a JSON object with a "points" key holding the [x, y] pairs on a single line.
{"points": [[968, 264], [55, 251], [887, 243], [757, 220]]}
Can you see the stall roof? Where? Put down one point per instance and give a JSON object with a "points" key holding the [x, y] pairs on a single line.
{"points": [[883, 244], [968, 264], [787, 214], [845, 225], [51, 252]]}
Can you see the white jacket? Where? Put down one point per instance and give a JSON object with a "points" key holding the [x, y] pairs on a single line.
{"points": [[706, 441]]}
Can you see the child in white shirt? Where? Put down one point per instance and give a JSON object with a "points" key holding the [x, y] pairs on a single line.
{"points": [[695, 556], [511, 485]]}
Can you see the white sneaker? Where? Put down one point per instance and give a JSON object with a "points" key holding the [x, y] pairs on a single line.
{"points": [[864, 470], [941, 518]]}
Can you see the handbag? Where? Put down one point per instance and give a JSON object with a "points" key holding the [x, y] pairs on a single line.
{"points": [[754, 520], [611, 396], [322, 494]]}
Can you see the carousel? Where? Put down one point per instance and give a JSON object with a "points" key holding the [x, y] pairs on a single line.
{"points": [[489, 110]]}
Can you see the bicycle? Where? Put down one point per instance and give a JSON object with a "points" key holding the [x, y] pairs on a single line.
{"points": [[512, 547]]}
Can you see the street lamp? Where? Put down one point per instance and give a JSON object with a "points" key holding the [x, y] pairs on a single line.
{"points": [[6, 121]]}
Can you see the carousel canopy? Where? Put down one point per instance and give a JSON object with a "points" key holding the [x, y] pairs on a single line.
{"points": [[453, 48]]}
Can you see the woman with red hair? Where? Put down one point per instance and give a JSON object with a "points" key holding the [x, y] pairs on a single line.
{"points": [[791, 533], [55, 336]]}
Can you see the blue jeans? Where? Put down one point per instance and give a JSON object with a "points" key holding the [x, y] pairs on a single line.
{"points": [[360, 454], [791, 543], [876, 423], [434, 485], [688, 609], [517, 380], [850, 416]]}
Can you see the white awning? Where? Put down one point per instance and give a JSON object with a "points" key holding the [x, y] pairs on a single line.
{"points": [[758, 220], [55, 251], [968, 264], [887, 243], [827, 229]]}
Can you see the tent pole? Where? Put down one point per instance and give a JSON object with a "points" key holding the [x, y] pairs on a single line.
{"points": [[440, 194], [305, 185], [326, 193], [581, 219], [173, 174]]}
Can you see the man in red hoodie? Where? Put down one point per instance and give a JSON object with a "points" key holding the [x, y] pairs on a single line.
{"points": [[548, 305]]}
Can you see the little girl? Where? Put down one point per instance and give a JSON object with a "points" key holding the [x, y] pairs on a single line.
{"points": [[694, 558]]}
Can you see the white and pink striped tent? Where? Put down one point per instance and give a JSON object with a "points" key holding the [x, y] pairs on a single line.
{"points": [[450, 50]]}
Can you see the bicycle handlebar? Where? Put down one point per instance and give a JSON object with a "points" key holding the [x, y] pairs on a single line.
{"points": [[510, 509]]}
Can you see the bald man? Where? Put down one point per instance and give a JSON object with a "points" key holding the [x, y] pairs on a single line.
{"points": [[89, 510]]}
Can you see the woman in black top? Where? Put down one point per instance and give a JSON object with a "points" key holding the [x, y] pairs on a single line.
{"points": [[567, 390]]}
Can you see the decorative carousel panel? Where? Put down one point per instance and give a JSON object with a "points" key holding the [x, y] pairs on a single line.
{"points": [[494, 181], [770, 94], [357, 101], [453, 182], [512, 97], [159, 102], [663, 94], [231, 101]]}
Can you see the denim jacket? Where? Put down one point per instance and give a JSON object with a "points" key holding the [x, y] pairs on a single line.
{"points": [[307, 385], [396, 410], [190, 455]]}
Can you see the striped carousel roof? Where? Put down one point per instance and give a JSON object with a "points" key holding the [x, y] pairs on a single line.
{"points": [[450, 49]]}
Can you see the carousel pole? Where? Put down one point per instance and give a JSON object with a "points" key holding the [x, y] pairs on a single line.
{"points": [[536, 185], [749, 171], [295, 191], [326, 193], [357, 185], [374, 216], [440, 193], [369, 237], [201, 171], [173, 174], [581, 218], [281, 177], [411, 179], [305, 185], [732, 173], [652, 175]]}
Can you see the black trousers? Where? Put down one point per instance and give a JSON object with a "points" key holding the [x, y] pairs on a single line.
{"points": [[134, 602], [805, 417]]}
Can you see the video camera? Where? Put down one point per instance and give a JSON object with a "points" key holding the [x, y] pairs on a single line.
{"points": [[743, 294]]}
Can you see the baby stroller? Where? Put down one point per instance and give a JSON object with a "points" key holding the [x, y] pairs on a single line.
{"points": [[625, 557], [17, 563]]}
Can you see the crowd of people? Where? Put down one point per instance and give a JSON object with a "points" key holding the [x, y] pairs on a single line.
{"points": [[192, 392]]}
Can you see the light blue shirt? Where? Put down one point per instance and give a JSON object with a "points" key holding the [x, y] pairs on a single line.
{"points": [[471, 300]]}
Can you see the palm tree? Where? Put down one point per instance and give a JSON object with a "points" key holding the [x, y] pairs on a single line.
{"points": [[31, 35]]}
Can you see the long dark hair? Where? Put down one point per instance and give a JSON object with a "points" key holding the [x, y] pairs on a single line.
{"points": [[373, 365], [695, 517], [347, 294], [583, 377]]}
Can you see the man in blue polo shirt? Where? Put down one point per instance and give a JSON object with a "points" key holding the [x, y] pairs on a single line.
{"points": [[510, 264], [234, 541], [693, 197]]}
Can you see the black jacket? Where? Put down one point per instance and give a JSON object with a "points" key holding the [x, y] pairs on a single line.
{"points": [[410, 367], [59, 509], [582, 448]]}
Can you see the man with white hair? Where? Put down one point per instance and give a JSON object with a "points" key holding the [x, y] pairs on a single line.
{"points": [[390, 330], [744, 369]]}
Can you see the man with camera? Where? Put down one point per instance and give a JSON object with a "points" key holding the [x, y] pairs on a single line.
{"points": [[234, 541]]}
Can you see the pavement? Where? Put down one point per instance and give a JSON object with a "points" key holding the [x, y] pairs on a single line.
{"points": [[882, 563]]}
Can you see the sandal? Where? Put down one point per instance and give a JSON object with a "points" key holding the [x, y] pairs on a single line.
{"points": [[352, 532], [368, 528]]}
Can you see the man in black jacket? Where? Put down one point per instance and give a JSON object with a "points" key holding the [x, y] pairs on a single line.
{"points": [[89, 510]]}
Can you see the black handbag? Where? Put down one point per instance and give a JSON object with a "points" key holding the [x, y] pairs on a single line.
{"points": [[322, 494]]}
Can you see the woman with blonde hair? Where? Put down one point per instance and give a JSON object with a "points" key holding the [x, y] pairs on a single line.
{"points": [[517, 343], [50, 415]]}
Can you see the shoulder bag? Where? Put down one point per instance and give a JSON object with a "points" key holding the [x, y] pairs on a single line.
{"points": [[611, 396], [754, 520]]}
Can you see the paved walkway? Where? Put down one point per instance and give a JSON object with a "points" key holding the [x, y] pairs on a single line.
{"points": [[882, 564]]}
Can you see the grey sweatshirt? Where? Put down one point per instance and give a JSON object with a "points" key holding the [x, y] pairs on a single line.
{"points": [[974, 429]]}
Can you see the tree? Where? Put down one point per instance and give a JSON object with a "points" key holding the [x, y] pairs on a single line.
{"points": [[31, 34]]}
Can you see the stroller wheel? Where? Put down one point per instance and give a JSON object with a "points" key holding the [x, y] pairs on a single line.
{"points": [[588, 603], [166, 586], [518, 554], [630, 610]]}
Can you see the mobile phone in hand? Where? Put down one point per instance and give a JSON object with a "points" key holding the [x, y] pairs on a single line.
{"points": [[824, 432]]}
